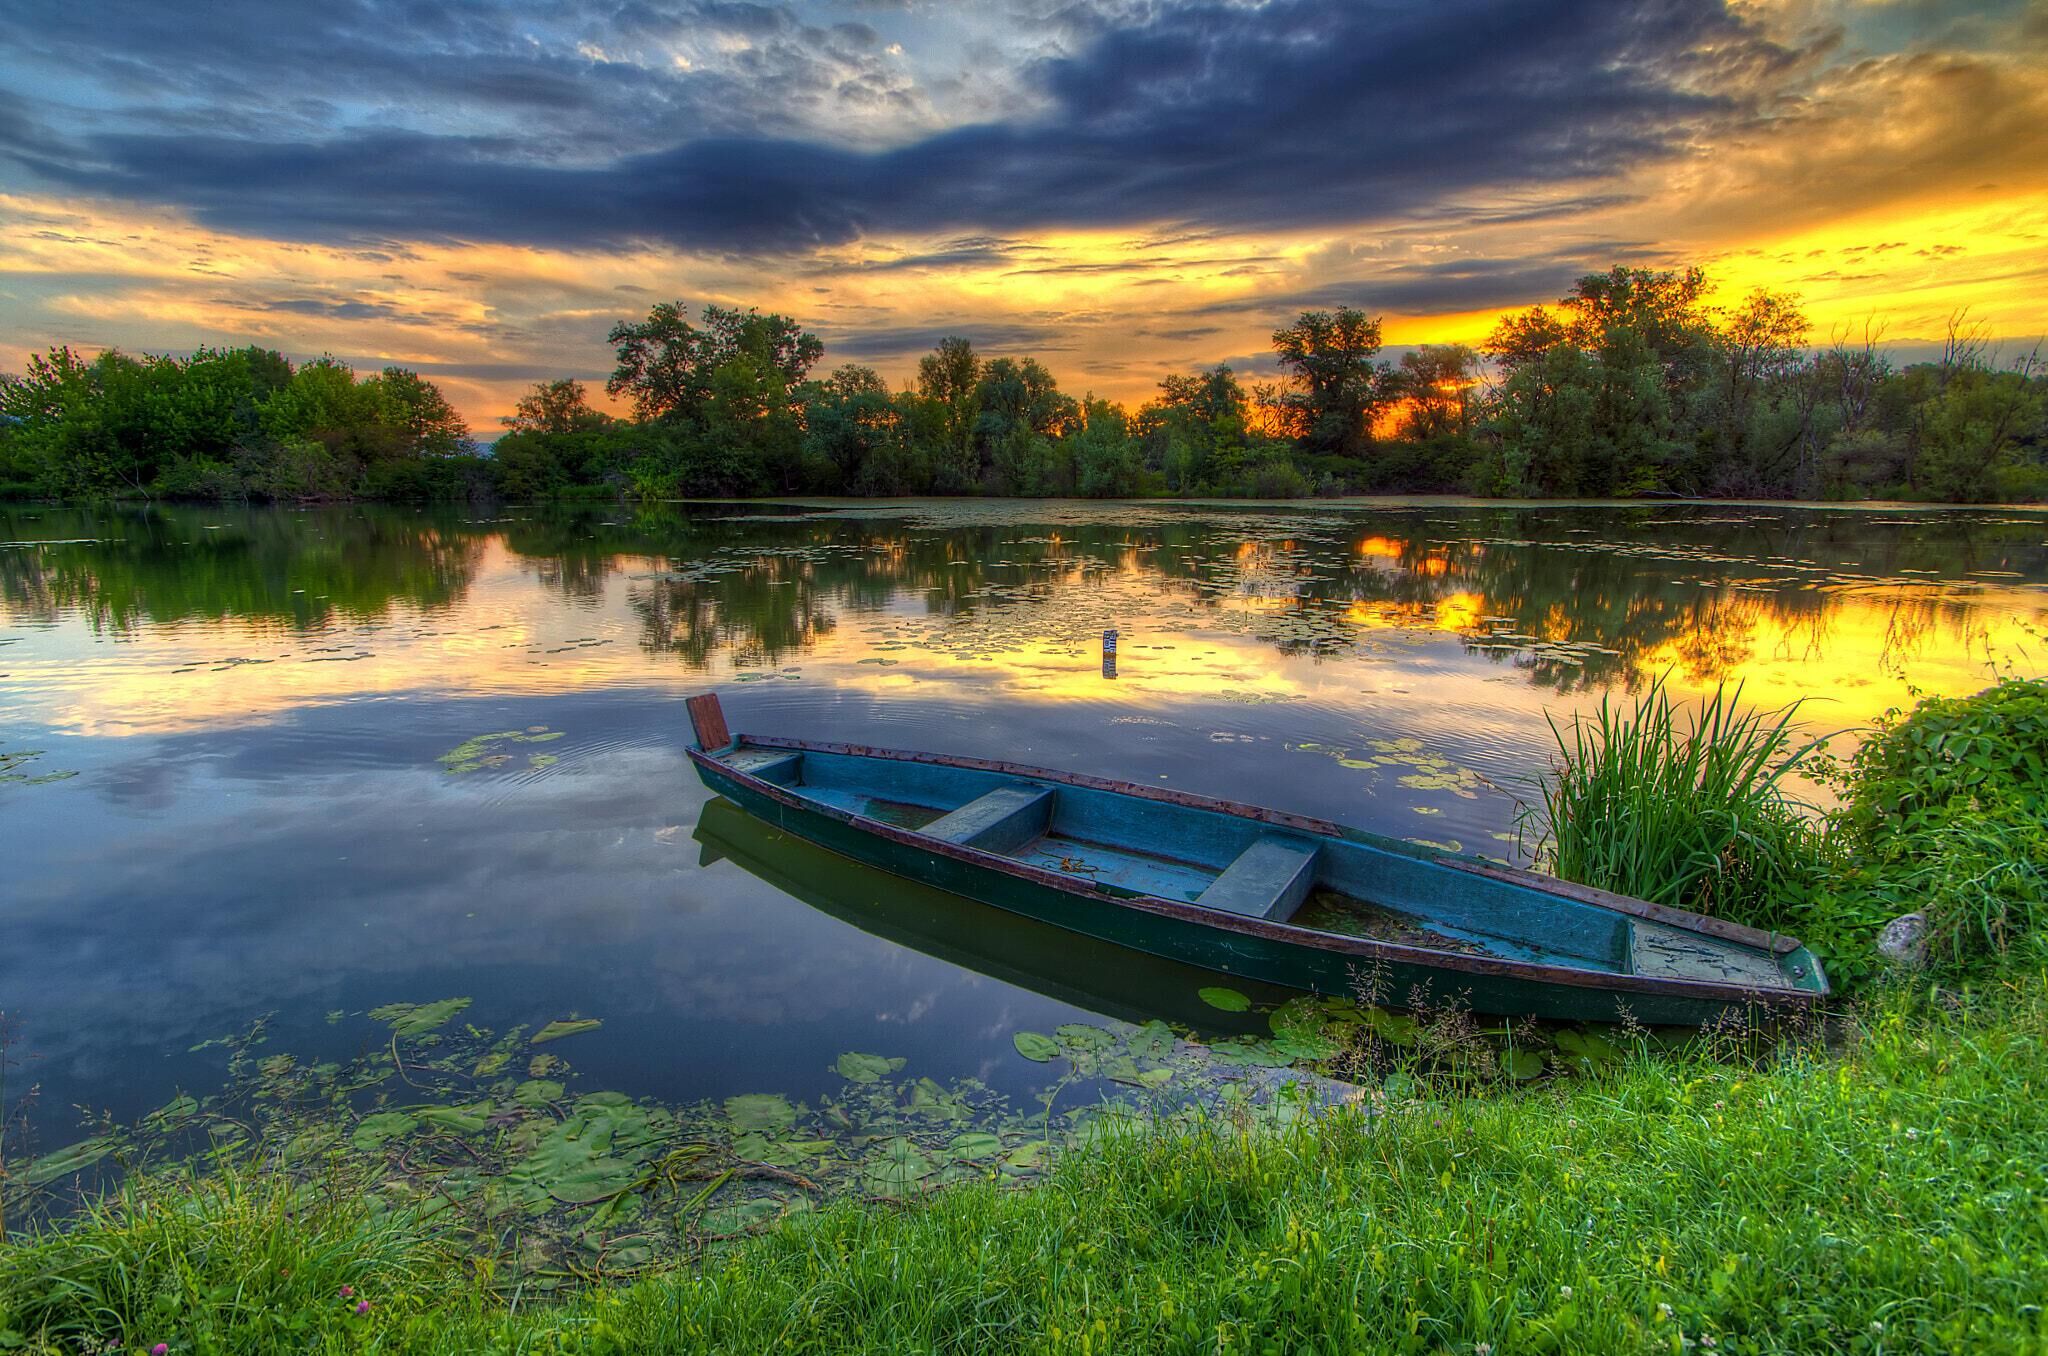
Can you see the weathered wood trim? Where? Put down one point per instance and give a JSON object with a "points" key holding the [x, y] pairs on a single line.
{"points": [[707, 722], [1364, 949]]}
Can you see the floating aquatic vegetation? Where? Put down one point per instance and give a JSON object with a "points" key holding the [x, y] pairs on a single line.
{"points": [[473, 755], [416, 1019], [11, 761], [1430, 772], [557, 1184], [566, 1026]]}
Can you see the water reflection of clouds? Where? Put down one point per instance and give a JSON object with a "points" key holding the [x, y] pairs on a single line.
{"points": [[266, 887]]}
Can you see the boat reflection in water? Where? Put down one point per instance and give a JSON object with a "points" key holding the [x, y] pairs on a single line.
{"points": [[1111, 980]]}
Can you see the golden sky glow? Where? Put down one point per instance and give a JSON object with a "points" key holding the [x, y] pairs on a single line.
{"points": [[1892, 170]]}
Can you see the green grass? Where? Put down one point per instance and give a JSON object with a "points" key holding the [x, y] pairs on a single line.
{"points": [[1886, 1198], [1681, 805]]}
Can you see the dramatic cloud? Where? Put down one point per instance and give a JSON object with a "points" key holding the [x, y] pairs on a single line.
{"points": [[1289, 114], [480, 189]]}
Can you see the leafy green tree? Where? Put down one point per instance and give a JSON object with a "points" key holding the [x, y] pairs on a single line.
{"points": [[1976, 429], [428, 424], [1334, 388], [854, 433], [661, 362], [559, 406], [666, 364], [1108, 463], [948, 378]]}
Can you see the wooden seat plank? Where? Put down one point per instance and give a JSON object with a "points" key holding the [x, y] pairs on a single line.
{"points": [[1267, 880], [1000, 821]]}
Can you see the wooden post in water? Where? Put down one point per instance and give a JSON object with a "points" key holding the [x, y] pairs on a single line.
{"points": [[707, 721]]}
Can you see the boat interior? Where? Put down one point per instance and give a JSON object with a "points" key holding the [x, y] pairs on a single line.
{"points": [[1241, 866]]}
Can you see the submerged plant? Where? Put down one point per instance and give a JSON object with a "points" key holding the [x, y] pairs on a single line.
{"points": [[1681, 806]]}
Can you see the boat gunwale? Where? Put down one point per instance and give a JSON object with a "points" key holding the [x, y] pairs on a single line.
{"points": [[1365, 948]]}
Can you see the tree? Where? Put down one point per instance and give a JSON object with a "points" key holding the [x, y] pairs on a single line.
{"points": [[661, 362], [1437, 384], [947, 378], [429, 424], [1107, 464], [1336, 389], [776, 342], [558, 406], [666, 364]]}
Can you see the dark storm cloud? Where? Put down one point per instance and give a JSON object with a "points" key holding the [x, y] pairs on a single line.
{"points": [[1214, 115], [325, 307], [1435, 288], [893, 342]]}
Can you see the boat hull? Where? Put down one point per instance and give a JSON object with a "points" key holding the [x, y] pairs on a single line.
{"points": [[1292, 958]]}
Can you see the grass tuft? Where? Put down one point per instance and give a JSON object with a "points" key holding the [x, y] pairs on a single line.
{"points": [[1685, 806]]}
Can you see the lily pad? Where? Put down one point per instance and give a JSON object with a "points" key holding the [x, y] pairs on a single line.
{"points": [[1154, 1040], [760, 1111], [1081, 1036], [1036, 1047], [597, 1180], [1225, 1000], [927, 1098], [859, 1068], [537, 1092], [371, 1132], [1523, 1064], [463, 1120], [1586, 1049], [756, 1147], [975, 1144], [896, 1168], [1026, 1157], [64, 1162], [416, 1019], [572, 1026], [741, 1216]]}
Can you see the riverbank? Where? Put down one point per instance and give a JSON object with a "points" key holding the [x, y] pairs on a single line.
{"points": [[1886, 1197], [1881, 1189]]}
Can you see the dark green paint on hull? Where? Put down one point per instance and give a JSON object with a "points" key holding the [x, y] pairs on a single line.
{"points": [[1557, 952]]}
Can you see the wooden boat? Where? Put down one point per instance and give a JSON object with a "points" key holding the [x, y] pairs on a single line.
{"points": [[1286, 899]]}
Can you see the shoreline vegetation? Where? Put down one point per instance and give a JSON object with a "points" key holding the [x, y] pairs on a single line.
{"points": [[1880, 1186], [1631, 386]]}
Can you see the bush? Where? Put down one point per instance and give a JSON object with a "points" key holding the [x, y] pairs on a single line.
{"points": [[1946, 813]]}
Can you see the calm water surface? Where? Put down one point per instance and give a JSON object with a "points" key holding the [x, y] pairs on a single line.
{"points": [[226, 791]]}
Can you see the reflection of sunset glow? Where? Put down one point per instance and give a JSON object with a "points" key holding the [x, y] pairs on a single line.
{"points": [[466, 615]]}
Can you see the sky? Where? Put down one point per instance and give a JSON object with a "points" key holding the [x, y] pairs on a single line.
{"points": [[1125, 188]]}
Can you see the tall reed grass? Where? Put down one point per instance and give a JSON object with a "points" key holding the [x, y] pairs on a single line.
{"points": [[1681, 804]]}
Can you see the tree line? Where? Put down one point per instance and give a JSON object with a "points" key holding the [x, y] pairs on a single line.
{"points": [[1630, 385]]}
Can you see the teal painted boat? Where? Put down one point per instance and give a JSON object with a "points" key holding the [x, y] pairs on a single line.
{"points": [[1242, 891]]}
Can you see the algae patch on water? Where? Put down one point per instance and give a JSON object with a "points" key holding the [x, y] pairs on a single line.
{"points": [[486, 750]]}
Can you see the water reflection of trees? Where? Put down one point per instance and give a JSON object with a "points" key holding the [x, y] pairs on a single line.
{"points": [[119, 568], [1702, 588]]}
